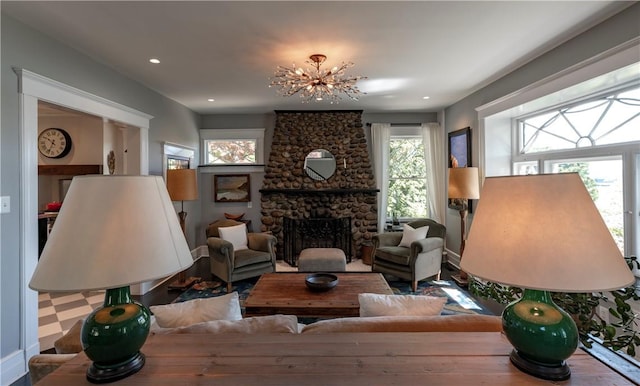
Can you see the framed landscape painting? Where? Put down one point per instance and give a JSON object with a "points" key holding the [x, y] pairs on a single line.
{"points": [[460, 156], [460, 148], [232, 188]]}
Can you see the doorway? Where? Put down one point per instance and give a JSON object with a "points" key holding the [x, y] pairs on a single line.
{"points": [[32, 89], [97, 146]]}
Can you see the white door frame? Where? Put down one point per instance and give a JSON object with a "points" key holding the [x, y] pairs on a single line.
{"points": [[32, 88]]}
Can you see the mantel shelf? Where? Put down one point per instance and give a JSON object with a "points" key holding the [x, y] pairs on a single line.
{"points": [[320, 191], [71, 170]]}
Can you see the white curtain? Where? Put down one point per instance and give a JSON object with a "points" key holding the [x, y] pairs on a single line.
{"points": [[435, 157], [380, 138]]}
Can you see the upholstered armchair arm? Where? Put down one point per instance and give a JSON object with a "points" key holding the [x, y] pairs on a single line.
{"points": [[220, 248], [262, 242], [426, 245], [388, 239]]}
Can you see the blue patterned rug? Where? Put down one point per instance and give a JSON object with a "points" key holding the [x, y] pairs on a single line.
{"points": [[458, 301]]}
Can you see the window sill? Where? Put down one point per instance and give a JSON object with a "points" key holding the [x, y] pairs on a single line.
{"points": [[236, 168], [621, 363]]}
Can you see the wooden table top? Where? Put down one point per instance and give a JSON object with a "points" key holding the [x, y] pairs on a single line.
{"points": [[432, 358], [287, 293]]}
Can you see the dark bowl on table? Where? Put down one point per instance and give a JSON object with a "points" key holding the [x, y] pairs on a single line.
{"points": [[321, 281]]}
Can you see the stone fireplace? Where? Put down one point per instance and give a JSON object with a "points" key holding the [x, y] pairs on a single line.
{"points": [[288, 192]]}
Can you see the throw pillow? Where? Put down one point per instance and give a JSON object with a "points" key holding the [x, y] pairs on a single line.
{"points": [[409, 235], [253, 325], [395, 305], [226, 307], [236, 235]]}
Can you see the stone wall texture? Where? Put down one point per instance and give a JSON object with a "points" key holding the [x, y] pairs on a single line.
{"points": [[288, 192]]}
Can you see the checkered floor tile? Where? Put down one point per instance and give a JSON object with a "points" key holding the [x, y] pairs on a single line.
{"points": [[58, 312]]}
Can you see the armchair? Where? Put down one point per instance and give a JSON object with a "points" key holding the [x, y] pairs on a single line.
{"points": [[421, 260], [231, 265]]}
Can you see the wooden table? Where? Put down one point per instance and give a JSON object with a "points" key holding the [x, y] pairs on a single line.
{"points": [[432, 358], [287, 293]]}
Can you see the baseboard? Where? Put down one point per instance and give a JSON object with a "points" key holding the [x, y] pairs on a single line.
{"points": [[453, 258], [13, 367], [201, 251]]}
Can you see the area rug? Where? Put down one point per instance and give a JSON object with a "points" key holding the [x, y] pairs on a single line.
{"points": [[458, 301]]}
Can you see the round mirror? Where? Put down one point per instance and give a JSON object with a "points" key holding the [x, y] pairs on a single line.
{"points": [[320, 164]]}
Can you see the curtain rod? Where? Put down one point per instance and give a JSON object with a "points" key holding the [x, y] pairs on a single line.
{"points": [[399, 124]]}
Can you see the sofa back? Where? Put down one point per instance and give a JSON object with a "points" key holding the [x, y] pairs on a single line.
{"points": [[438, 323]]}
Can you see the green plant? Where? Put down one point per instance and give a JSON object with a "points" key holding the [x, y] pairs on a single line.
{"points": [[616, 335]]}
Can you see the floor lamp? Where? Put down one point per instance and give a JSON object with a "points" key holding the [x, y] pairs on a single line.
{"points": [[464, 185], [182, 185]]}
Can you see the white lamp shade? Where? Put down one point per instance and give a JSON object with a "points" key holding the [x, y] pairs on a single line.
{"points": [[464, 183], [543, 232], [112, 231]]}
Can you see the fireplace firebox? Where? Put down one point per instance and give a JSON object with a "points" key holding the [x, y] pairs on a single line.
{"points": [[316, 233]]}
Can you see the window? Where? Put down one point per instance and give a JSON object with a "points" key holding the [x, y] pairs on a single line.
{"points": [[176, 156], [603, 180], [407, 177], [232, 147], [598, 138], [610, 119], [223, 151]]}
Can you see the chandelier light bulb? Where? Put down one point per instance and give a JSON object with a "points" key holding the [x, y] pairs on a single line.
{"points": [[316, 83]]}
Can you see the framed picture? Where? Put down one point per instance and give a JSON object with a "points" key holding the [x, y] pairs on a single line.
{"points": [[232, 188], [460, 157], [460, 148]]}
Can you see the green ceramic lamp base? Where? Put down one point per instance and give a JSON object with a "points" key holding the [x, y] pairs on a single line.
{"points": [[559, 372], [107, 374], [543, 335], [113, 335]]}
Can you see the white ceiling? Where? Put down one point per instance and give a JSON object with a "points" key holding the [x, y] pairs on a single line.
{"points": [[227, 50]]}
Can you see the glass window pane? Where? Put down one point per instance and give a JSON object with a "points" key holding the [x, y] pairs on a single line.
{"points": [[610, 119], [603, 179], [230, 151], [407, 178], [406, 158], [525, 168], [407, 198]]}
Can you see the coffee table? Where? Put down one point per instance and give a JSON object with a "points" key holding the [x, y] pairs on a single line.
{"points": [[287, 293]]}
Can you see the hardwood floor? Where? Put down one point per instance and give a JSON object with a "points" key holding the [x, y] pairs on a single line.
{"points": [[163, 295]]}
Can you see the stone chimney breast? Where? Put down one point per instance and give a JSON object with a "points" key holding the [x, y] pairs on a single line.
{"points": [[289, 192]]}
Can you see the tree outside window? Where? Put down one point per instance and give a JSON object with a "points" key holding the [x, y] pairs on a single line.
{"points": [[407, 178], [230, 151]]}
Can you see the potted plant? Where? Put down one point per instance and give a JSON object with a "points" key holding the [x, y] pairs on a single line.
{"points": [[616, 335]]}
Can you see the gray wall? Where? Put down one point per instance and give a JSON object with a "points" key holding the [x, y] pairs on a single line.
{"points": [[26, 48], [614, 31]]}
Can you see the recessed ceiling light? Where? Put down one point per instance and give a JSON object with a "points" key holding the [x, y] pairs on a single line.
{"points": [[425, 97], [154, 60], [211, 100]]}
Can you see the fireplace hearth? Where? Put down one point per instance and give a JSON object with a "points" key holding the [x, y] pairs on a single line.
{"points": [[305, 233]]}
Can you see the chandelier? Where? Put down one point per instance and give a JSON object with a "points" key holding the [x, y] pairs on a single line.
{"points": [[317, 84]]}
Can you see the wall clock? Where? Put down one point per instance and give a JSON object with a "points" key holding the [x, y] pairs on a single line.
{"points": [[54, 143]]}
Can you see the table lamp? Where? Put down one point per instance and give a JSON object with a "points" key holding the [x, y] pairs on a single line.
{"points": [[464, 184], [113, 231], [182, 185], [542, 233]]}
